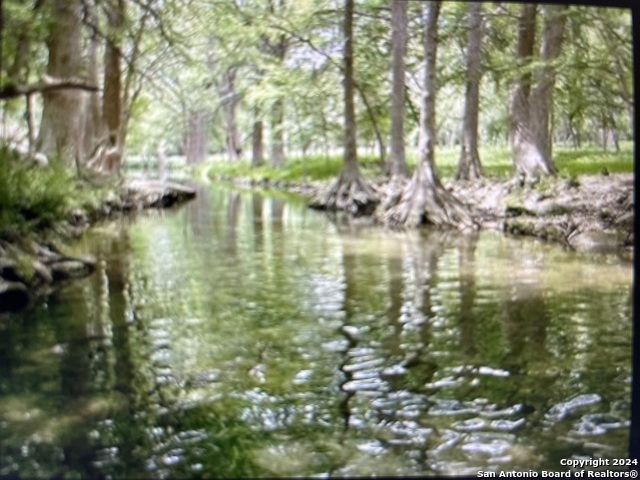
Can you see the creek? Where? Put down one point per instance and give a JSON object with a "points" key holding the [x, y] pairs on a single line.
{"points": [[244, 335]]}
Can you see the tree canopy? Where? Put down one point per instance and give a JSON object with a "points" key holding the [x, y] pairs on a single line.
{"points": [[229, 78]]}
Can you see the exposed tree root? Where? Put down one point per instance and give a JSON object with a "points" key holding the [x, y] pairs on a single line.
{"points": [[390, 194], [424, 201], [351, 193]]}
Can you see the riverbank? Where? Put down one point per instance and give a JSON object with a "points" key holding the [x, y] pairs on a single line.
{"points": [[34, 263], [584, 213]]}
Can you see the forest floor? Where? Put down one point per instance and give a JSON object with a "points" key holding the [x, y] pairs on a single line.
{"points": [[585, 213]]}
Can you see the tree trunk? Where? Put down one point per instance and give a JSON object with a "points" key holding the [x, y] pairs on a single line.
{"points": [[531, 105], [541, 102], [521, 136], [61, 124], [277, 134], [93, 117], [382, 149], [257, 158], [230, 104], [112, 96], [277, 111], [350, 132], [196, 142], [351, 192], [469, 165], [424, 200], [398, 163]]}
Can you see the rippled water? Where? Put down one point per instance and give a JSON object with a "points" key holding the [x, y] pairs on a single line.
{"points": [[244, 335]]}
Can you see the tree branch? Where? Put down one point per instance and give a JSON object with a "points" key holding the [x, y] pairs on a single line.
{"points": [[46, 84]]}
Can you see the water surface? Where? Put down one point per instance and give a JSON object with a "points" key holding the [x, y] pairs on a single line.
{"points": [[245, 335]]}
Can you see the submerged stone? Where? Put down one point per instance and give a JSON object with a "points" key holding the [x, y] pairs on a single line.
{"points": [[595, 241], [71, 268]]}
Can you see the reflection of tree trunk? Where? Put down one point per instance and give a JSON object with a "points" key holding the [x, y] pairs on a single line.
{"points": [[424, 254], [257, 206], [277, 210], [128, 379], [467, 271], [395, 302], [349, 265], [75, 368], [426, 262], [525, 315], [124, 365], [199, 213], [9, 353], [525, 322], [233, 211]]}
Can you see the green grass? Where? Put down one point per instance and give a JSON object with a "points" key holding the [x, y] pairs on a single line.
{"points": [[496, 162], [593, 161], [31, 197], [297, 169]]}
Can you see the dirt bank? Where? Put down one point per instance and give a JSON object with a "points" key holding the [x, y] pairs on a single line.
{"points": [[588, 213]]}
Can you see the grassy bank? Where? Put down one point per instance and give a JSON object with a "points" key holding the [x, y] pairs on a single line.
{"points": [[34, 198], [496, 162]]}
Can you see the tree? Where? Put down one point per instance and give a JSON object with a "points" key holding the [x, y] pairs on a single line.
{"points": [[278, 50], [531, 103], [398, 163], [63, 138], [351, 192], [229, 99], [257, 151], [112, 96], [594, 87], [196, 136], [93, 113], [424, 200], [469, 166]]}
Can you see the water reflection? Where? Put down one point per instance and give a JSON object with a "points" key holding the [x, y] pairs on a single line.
{"points": [[244, 335]]}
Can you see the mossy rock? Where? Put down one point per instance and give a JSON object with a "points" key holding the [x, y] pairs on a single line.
{"points": [[69, 268]]}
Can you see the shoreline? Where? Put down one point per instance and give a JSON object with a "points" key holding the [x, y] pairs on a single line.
{"points": [[589, 213], [36, 265]]}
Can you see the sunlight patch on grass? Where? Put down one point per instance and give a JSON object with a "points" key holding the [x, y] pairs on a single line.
{"points": [[496, 163]]}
